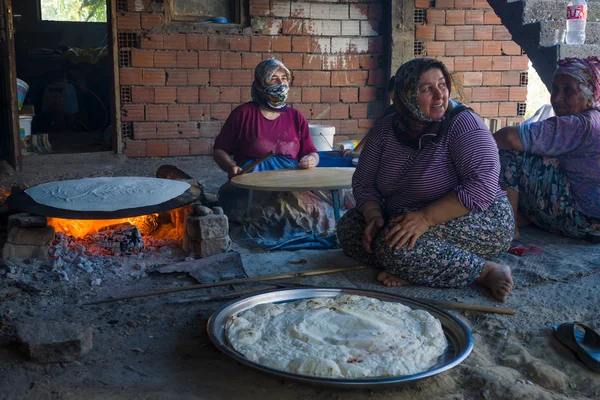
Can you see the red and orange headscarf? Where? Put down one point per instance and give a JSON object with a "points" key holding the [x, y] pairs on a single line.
{"points": [[586, 71]]}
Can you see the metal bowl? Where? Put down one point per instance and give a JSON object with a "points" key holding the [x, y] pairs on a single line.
{"points": [[460, 339]]}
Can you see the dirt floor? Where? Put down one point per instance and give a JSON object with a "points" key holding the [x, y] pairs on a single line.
{"points": [[152, 348]]}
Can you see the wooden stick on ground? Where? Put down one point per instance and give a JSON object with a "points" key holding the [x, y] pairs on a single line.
{"points": [[232, 282], [470, 307]]}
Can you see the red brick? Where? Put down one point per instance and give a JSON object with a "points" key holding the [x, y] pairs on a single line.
{"points": [[179, 113], [142, 58], [489, 110], [230, 95], [339, 111], [144, 131], [149, 21], [349, 78], [368, 61], [177, 77], [509, 78], [130, 76], [135, 148], [210, 129], [220, 78], [359, 110], [377, 45], [311, 61], [187, 129], [165, 95], [499, 32], [174, 42], [187, 95], [154, 77], [349, 126], [435, 48], [455, 17], [209, 59], [444, 3], [198, 77], [156, 148], [473, 49], [501, 63], [482, 63], [510, 48], [242, 77], [156, 113], [260, 8], [320, 78], [425, 32], [474, 17], [377, 78], [492, 48], [165, 131], [165, 59], [444, 32], [422, 3], [142, 95], [436, 17], [519, 63], [179, 148], [518, 93], [218, 42], [301, 44], [367, 94], [492, 79], [499, 94], [448, 62], [473, 78], [128, 22], [456, 48], [209, 95], [508, 110], [220, 111], [151, 41], [246, 97], [291, 61], [311, 95], [330, 95], [320, 111], [491, 18], [482, 33], [194, 41], [132, 113], [481, 94], [187, 59], [292, 27], [200, 147], [239, 43], [463, 4], [481, 4], [231, 60], [463, 64], [349, 95], [200, 112], [282, 44], [463, 32], [260, 44], [294, 96]]}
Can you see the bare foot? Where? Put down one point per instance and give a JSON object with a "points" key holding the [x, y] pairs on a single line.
{"points": [[390, 280], [517, 233], [498, 279]]}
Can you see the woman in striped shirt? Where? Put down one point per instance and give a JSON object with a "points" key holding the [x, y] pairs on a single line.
{"points": [[429, 209]]}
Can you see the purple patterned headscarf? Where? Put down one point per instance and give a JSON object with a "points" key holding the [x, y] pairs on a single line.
{"points": [[270, 97], [586, 71]]}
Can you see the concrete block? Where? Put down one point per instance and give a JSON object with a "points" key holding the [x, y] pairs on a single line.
{"points": [[202, 210], [213, 226], [209, 247], [53, 341], [24, 251], [218, 210], [31, 236], [25, 220]]}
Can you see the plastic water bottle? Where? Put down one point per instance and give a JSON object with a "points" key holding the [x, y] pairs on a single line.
{"points": [[576, 19]]}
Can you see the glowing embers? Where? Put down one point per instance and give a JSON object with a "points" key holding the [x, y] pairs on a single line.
{"points": [[80, 228]]}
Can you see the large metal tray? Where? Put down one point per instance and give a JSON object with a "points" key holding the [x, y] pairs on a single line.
{"points": [[460, 339]]}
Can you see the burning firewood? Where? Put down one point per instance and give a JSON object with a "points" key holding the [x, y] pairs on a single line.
{"points": [[123, 238]]}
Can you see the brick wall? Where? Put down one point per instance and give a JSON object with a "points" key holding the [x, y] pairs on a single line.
{"points": [[180, 82], [470, 39]]}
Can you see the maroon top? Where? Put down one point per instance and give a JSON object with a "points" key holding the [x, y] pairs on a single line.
{"points": [[248, 134]]}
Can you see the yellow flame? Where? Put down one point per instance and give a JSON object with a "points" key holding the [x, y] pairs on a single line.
{"points": [[79, 228]]}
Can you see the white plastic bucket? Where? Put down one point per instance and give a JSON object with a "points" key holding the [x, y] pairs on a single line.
{"points": [[322, 136], [22, 89], [25, 126]]}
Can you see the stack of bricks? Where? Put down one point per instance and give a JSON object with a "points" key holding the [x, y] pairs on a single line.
{"points": [[29, 236], [180, 82], [470, 39], [206, 231]]}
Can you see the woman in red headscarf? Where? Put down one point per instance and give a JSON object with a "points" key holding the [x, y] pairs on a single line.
{"points": [[551, 168]]}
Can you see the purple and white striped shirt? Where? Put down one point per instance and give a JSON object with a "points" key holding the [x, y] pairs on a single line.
{"points": [[464, 160]]}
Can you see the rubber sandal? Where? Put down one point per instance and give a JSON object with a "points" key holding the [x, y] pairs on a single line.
{"points": [[585, 345]]}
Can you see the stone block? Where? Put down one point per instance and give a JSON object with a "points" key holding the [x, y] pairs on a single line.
{"points": [[53, 341], [201, 210], [31, 236], [192, 226], [209, 247], [24, 251], [218, 210], [25, 220], [213, 226]]}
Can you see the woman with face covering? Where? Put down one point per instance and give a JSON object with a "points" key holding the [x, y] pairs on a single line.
{"points": [[251, 131], [551, 168], [429, 209]]}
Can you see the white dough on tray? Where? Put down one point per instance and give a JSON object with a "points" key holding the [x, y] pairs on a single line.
{"points": [[346, 336]]}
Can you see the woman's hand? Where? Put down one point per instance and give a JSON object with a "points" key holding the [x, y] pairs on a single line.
{"points": [[307, 162], [372, 228], [233, 171], [346, 152], [409, 227]]}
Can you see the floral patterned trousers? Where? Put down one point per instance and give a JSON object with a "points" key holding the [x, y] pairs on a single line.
{"points": [[544, 193], [452, 254]]}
